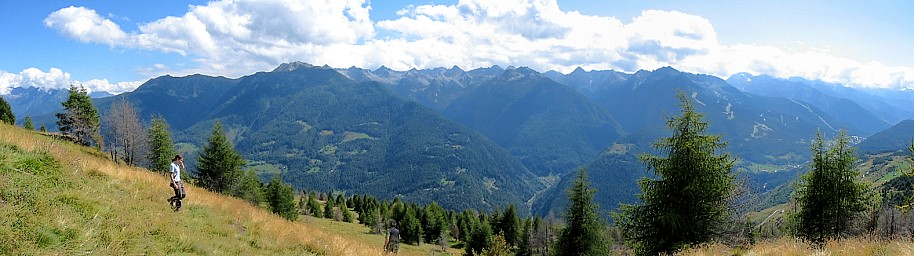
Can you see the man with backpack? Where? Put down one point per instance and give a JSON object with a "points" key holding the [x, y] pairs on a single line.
{"points": [[175, 182]]}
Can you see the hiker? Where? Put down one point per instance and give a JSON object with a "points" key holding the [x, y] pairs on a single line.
{"points": [[176, 165], [393, 238]]}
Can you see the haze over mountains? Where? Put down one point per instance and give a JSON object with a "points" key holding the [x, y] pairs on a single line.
{"points": [[487, 137]]}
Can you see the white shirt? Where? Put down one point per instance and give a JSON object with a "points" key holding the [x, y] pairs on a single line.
{"points": [[175, 172]]}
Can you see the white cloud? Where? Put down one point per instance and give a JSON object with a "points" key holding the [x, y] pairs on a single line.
{"points": [[234, 38], [57, 79], [85, 25]]}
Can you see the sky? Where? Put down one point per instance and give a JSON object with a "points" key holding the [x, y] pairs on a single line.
{"points": [[115, 46]]}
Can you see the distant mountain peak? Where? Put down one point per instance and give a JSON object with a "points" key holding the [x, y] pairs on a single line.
{"points": [[578, 70], [290, 66]]}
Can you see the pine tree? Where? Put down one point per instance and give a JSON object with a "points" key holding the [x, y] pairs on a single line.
{"points": [[28, 124], [687, 204], [219, 165], [161, 147], [410, 227], [433, 222], [43, 128], [328, 207], [80, 118], [281, 198], [831, 194], [6, 113], [347, 215], [584, 233], [909, 203], [249, 188], [524, 243], [509, 225], [314, 206], [481, 237]]}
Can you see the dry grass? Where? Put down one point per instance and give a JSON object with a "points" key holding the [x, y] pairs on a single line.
{"points": [[790, 247], [122, 210]]}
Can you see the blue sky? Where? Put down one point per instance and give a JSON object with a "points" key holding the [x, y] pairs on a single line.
{"points": [[116, 45]]}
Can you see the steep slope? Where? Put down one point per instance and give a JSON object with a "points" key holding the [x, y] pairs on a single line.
{"points": [[845, 110], [323, 131], [614, 174], [759, 129], [895, 138], [434, 88], [59, 198], [182, 101], [549, 126]]}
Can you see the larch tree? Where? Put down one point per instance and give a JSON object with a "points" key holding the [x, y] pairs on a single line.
{"points": [[80, 118], [127, 138], [27, 124], [6, 113], [161, 146], [688, 202], [281, 198], [584, 233], [219, 167], [831, 193]]}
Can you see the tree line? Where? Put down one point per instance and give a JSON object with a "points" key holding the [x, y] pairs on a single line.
{"points": [[693, 199]]}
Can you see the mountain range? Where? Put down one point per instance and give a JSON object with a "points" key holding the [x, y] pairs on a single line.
{"points": [[488, 137]]}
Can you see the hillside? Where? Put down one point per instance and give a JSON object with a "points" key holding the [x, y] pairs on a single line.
{"points": [[320, 130], [895, 138], [550, 127], [58, 198]]}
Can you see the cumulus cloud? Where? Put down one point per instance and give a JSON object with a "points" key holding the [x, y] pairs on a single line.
{"points": [[85, 25], [55, 78], [234, 38]]}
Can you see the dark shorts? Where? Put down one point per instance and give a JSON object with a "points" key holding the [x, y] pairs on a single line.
{"points": [[179, 190]]}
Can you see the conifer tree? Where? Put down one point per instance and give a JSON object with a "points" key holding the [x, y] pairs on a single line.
{"points": [[410, 227], [80, 118], [328, 207], [161, 147], [314, 206], [831, 194], [524, 245], [6, 113], [584, 233], [249, 188], [281, 198], [481, 237], [687, 203], [434, 222], [907, 205], [28, 125], [43, 128], [509, 225], [347, 215], [219, 165]]}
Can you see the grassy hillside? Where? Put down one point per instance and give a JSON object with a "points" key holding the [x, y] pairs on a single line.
{"points": [[58, 198]]}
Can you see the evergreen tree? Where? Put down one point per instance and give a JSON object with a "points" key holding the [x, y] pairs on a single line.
{"points": [[584, 233], [249, 188], [43, 128], [161, 146], [499, 247], [347, 215], [328, 207], [281, 198], [906, 206], [6, 113], [524, 245], [28, 124], [219, 165], [481, 237], [687, 204], [313, 206], [831, 194], [410, 227], [434, 222], [80, 118], [509, 225]]}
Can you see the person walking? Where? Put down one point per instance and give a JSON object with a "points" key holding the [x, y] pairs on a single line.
{"points": [[175, 182], [392, 245]]}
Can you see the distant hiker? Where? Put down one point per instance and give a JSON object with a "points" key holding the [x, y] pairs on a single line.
{"points": [[392, 244], [176, 165]]}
